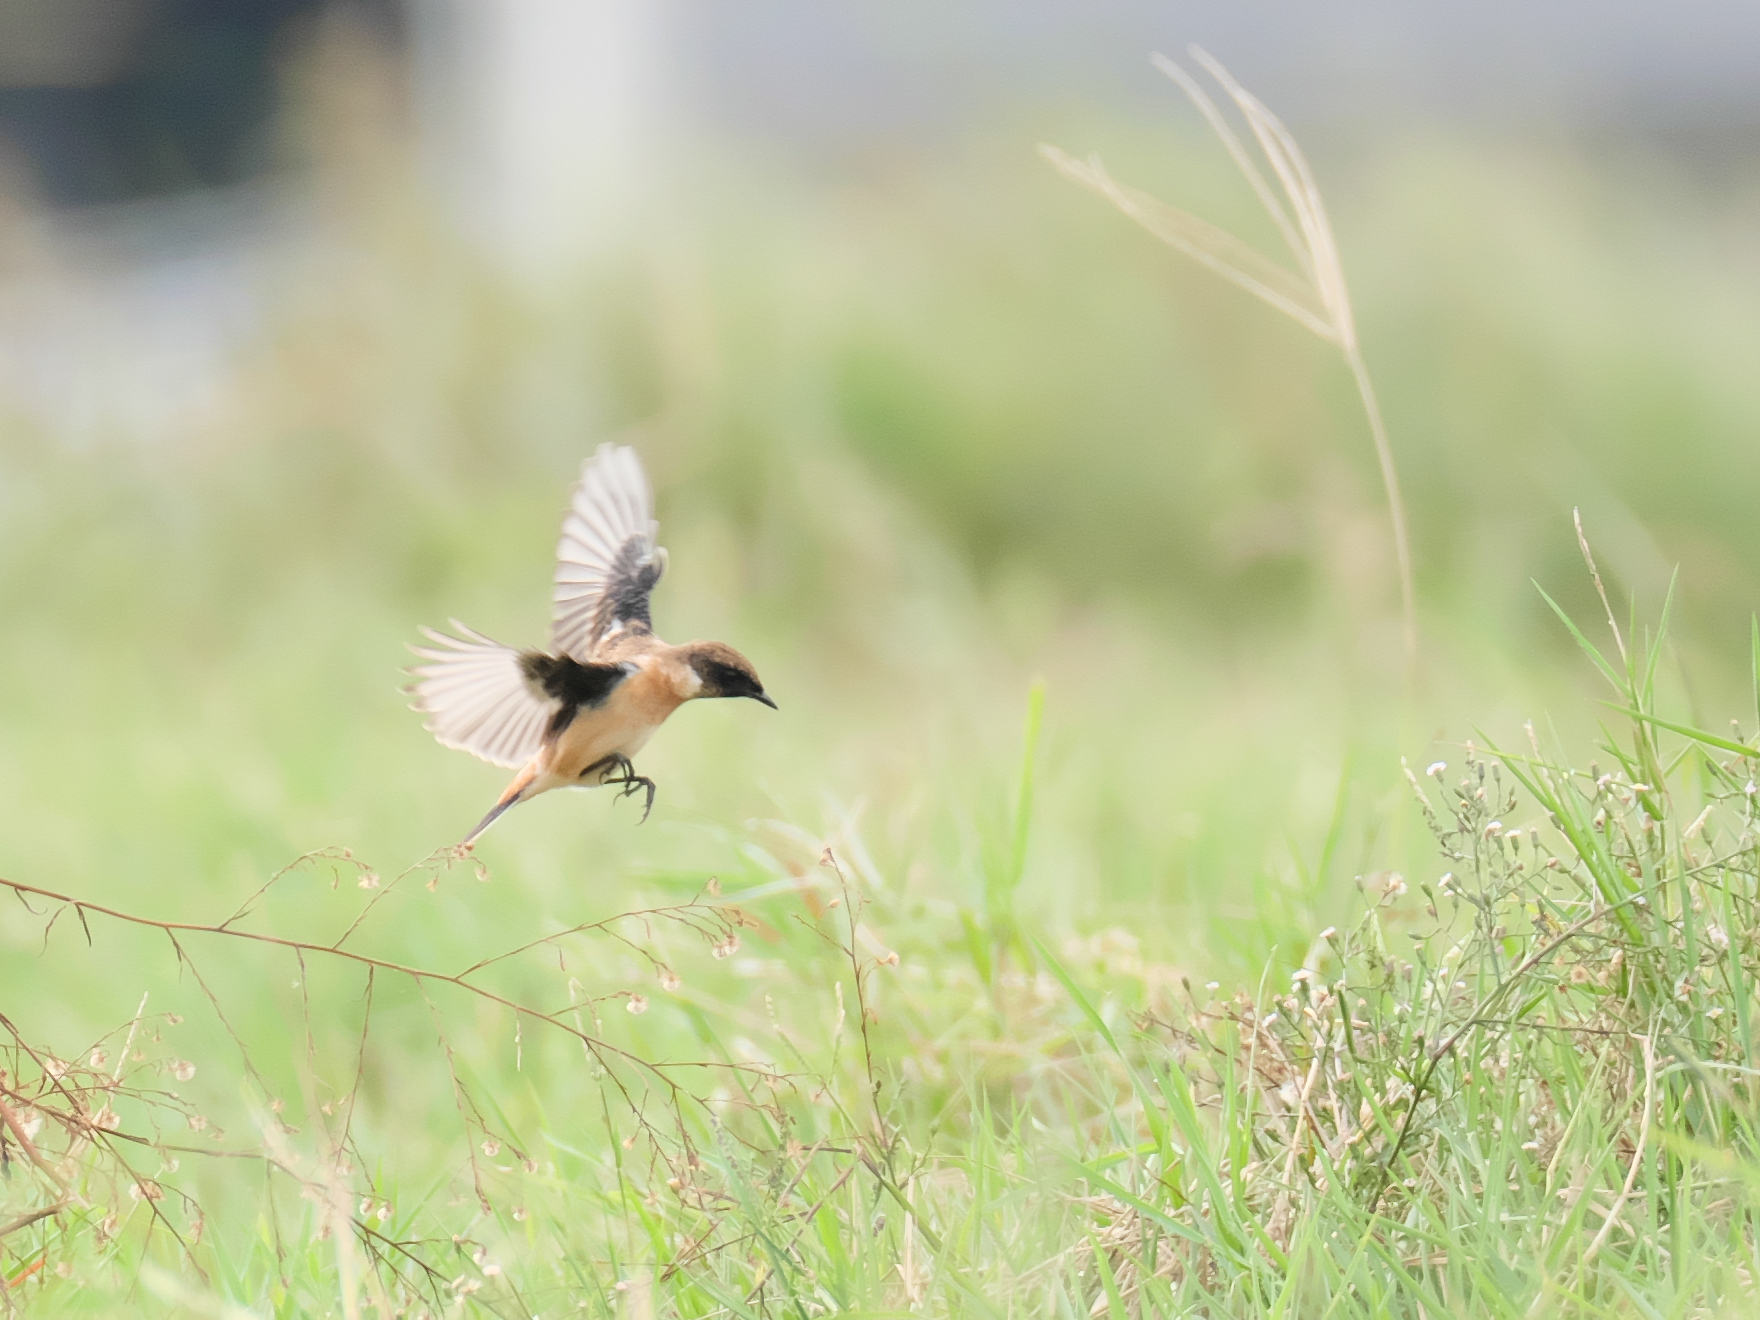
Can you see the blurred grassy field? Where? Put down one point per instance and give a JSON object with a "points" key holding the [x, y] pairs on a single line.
{"points": [[923, 434]]}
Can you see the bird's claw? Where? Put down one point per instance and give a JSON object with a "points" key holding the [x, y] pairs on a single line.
{"points": [[620, 771], [641, 782]]}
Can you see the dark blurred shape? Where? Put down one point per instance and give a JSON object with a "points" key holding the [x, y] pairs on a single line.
{"points": [[111, 100]]}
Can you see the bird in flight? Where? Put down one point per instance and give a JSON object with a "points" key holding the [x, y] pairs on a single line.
{"points": [[575, 715]]}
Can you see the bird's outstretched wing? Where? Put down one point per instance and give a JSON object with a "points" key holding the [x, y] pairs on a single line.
{"points": [[608, 560], [478, 698]]}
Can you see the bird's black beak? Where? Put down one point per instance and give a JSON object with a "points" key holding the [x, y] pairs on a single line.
{"points": [[763, 697]]}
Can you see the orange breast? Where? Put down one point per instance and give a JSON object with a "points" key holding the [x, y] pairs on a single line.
{"points": [[621, 727]]}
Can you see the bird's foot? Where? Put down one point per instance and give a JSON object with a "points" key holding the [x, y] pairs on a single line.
{"points": [[619, 771], [636, 784]]}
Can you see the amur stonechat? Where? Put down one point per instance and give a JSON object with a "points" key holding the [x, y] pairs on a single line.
{"points": [[574, 716]]}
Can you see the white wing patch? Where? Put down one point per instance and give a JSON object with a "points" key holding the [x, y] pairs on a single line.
{"points": [[609, 558], [476, 697]]}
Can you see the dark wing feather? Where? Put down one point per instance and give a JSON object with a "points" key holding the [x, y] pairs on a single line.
{"points": [[608, 560], [572, 686]]}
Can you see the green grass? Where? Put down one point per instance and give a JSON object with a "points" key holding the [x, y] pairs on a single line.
{"points": [[1069, 570]]}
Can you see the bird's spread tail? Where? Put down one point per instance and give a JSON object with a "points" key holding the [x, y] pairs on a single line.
{"points": [[513, 794]]}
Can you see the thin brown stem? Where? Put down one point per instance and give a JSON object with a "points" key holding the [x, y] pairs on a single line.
{"points": [[29, 1147], [300, 948], [26, 1220]]}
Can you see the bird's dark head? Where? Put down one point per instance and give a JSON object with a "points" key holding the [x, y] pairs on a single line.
{"points": [[724, 672]]}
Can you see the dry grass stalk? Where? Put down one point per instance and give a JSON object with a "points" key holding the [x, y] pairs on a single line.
{"points": [[1317, 297], [1625, 1192]]}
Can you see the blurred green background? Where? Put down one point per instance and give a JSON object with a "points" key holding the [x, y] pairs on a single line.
{"points": [[927, 425]]}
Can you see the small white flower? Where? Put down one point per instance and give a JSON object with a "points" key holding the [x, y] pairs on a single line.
{"points": [[636, 1004], [1436, 768]]}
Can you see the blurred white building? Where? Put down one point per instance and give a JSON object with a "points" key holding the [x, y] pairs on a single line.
{"points": [[544, 119]]}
